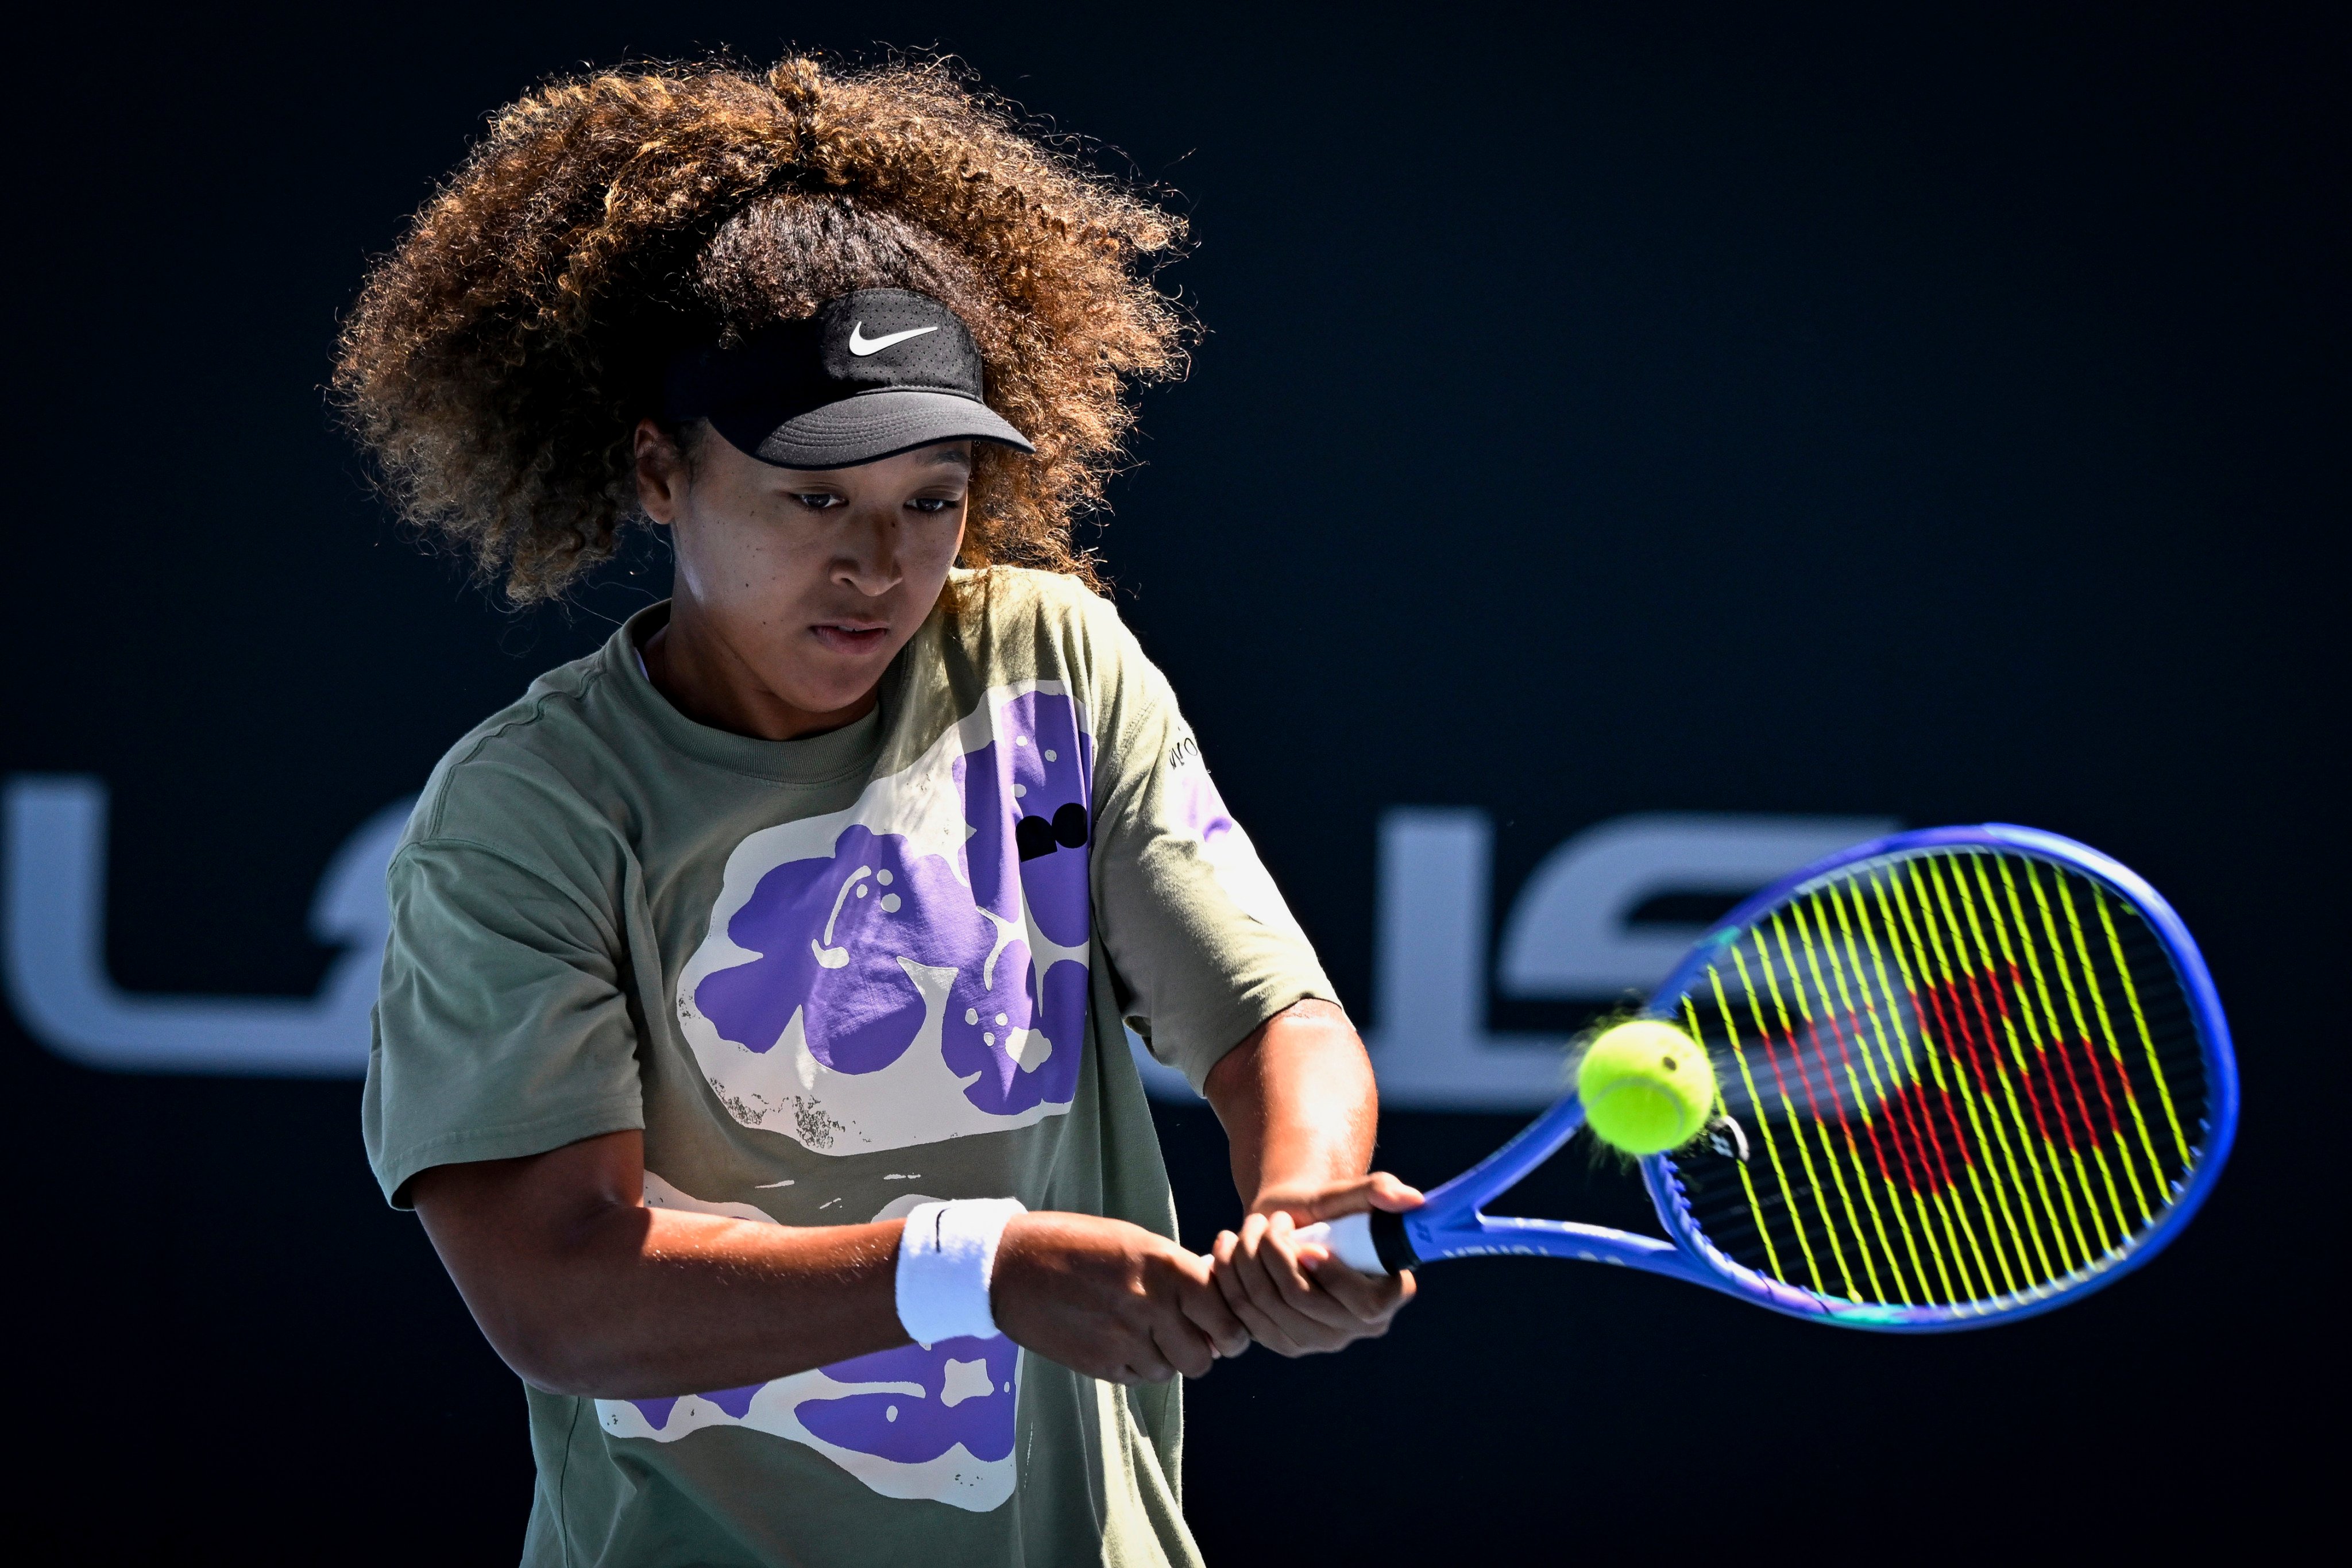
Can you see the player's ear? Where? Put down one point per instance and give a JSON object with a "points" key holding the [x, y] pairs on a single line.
{"points": [[663, 471]]}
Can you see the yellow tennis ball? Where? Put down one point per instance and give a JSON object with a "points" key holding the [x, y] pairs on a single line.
{"points": [[1646, 1087]]}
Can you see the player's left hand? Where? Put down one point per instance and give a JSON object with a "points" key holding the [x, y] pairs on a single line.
{"points": [[1293, 1296]]}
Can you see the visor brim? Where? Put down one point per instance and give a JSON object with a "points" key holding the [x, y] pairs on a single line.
{"points": [[868, 428]]}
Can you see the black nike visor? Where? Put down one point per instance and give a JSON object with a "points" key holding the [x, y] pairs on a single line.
{"points": [[871, 375]]}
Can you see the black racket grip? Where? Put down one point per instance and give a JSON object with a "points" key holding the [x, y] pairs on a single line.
{"points": [[1390, 1242]]}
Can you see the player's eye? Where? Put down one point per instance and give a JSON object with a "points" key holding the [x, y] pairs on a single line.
{"points": [[818, 500], [931, 506]]}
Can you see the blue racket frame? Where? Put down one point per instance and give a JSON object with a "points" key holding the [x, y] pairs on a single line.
{"points": [[1452, 1224]]}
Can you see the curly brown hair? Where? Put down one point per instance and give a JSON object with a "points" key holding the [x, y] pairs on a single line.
{"points": [[498, 361]]}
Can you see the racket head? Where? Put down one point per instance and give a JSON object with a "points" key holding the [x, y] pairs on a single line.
{"points": [[1978, 1073]]}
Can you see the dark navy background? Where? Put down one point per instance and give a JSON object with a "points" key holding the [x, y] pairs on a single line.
{"points": [[1898, 413]]}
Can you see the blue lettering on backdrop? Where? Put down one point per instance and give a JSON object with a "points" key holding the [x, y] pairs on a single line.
{"points": [[1569, 936]]}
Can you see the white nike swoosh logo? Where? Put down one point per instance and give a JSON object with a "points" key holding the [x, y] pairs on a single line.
{"points": [[861, 345]]}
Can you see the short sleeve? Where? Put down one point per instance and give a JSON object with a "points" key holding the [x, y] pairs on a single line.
{"points": [[1203, 944], [500, 1027]]}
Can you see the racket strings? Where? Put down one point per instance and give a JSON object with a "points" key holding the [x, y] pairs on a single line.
{"points": [[1964, 1076]]}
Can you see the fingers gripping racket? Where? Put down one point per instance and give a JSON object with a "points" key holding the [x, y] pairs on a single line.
{"points": [[1967, 1074]]}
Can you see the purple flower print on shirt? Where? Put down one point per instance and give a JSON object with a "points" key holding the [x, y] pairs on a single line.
{"points": [[833, 933], [830, 935], [736, 1402], [1029, 796], [1194, 804], [975, 1374], [967, 1397], [656, 1411]]}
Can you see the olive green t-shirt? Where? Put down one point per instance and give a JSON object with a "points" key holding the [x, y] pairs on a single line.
{"points": [[830, 979]]}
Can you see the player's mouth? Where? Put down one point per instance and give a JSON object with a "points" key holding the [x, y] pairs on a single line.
{"points": [[852, 637]]}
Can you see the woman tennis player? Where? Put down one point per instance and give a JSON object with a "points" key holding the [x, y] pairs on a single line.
{"points": [[750, 1038]]}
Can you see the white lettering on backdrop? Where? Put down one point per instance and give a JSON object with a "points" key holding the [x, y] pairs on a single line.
{"points": [[55, 951], [1569, 937]]}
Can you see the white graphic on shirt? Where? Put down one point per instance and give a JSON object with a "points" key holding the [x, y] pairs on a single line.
{"points": [[914, 968], [929, 1421]]}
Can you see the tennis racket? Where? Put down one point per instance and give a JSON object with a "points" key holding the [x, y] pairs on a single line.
{"points": [[1968, 1074]]}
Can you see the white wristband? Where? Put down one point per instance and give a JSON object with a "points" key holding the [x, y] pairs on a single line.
{"points": [[946, 1255]]}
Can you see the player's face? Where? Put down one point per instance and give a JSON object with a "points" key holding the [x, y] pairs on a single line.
{"points": [[812, 579]]}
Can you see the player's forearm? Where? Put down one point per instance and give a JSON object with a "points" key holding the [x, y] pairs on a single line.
{"points": [[582, 1289], [1298, 1104], [649, 1302]]}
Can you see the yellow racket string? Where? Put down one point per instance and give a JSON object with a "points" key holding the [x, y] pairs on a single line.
{"points": [[2055, 1045], [1881, 1094], [1794, 1121], [2106, 1023], [1928, 1137], [1747, 1183], [2155, 1069], [1771, 1145], [1939, 1036], [1815, 1098], [1953, 1073], [1862, 1103], [2044, 1094]]}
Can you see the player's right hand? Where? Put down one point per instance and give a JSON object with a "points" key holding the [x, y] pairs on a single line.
{"points": [[1111, 1299]]}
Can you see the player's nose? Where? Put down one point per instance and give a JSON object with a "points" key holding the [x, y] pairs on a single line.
{"points": [[868, 560]]}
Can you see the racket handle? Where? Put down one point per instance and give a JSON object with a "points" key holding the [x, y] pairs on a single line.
{"points": [[1347, 1238]]}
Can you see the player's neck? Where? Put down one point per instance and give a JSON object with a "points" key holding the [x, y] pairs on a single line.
{"points": [[705, 678]]}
